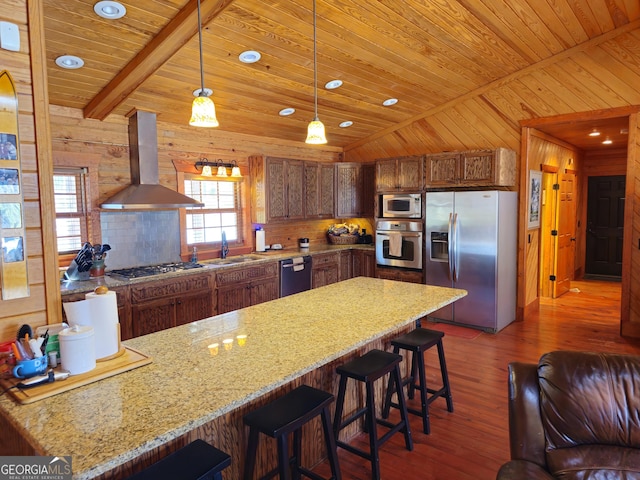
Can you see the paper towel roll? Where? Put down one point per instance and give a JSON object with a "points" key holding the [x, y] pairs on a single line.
{"points": [[260, 245], [101, 313]]}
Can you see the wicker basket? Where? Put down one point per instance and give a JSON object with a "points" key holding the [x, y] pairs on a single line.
{"points": [[343, 239]]}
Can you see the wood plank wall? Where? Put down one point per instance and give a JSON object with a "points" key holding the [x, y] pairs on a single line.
{"points": [[597, 76], [32, 309]]}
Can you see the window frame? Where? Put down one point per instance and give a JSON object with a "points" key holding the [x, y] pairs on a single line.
{"points": [[187, 171], [75, 160]]}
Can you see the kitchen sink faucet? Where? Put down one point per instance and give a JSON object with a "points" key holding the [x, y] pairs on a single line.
{"points": [[225, 246]]}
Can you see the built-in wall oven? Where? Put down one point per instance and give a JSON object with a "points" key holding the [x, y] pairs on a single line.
{"points": [[399, 243]]}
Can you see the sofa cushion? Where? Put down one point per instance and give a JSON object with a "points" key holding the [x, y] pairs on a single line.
{"points": [[588, 399], [594, 462]]}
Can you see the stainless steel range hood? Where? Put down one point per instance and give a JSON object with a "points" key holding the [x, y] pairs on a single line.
{"points": [[145, 191]]}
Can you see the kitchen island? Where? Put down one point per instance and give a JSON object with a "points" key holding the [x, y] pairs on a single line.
{"points": [[206, 375]]}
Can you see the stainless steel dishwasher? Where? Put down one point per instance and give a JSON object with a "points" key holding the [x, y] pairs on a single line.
{"points": [[295, 275]]}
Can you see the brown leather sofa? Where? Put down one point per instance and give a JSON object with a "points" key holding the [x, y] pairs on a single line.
{"points": [[574, 416]]}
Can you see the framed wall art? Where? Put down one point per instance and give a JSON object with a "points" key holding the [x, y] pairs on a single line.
{"points": [[13, 256], [534, 195]]}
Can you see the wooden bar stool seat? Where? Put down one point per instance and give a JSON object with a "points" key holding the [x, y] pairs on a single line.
{"points": [[417, 342], [283, 416], [368, 368], [196, 461]]}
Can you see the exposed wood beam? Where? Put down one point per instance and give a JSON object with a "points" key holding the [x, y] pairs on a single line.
{"points": [[158, 51], [501, 81]]}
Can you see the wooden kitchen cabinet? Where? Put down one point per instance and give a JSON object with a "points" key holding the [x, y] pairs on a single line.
{"points": [[277, 189], [163, 304], [345, 265], [355, 190], [480, 168], [401, 174], [319, 190], [124, 309], [402, 275], [245, 286], [363, 263], [325, 269]]}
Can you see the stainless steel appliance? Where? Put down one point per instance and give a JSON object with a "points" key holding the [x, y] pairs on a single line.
{"points": [[401, 205], [150, 270], [295, 275], [471, 244], [399, 243]]}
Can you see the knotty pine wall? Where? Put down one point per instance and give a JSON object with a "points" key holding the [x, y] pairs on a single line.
{"points": [[595, 76], [35, 163]]}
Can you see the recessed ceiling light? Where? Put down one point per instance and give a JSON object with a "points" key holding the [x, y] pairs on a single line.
{"points": [[110, 10], [607, 141], [333, 84], [346, 124], [207, 92], [594, 133], [250, 56], [286, 112], [390, 101], [70, 62]]}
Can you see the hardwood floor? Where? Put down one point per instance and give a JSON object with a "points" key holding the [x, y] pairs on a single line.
{"points": [[472, 442]]}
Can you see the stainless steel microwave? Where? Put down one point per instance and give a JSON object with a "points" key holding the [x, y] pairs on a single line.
{"points": [[401, 205]]}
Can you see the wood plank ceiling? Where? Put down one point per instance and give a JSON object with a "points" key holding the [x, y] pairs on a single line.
{"points": [[424, 53]]}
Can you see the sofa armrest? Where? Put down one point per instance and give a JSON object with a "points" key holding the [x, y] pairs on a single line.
{"points": [[522, 470], [526, 434]]}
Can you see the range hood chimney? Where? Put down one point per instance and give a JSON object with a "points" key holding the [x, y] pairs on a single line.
{"points": [[145, 191]]}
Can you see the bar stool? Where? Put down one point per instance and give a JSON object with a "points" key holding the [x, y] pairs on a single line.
{"points": [[368, 368], [417, 342], [285, 415], [196, 461]]}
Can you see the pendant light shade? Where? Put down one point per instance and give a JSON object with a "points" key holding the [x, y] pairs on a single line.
{"points": [[315, 130], [203, 111], [315, 133]]}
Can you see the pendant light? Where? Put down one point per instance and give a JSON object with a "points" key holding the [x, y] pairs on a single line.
{"points": [[315, 130], [203, 111]]}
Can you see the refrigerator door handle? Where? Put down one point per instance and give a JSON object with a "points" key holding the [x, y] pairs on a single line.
{"points": [[456, 264], [450, 246]]}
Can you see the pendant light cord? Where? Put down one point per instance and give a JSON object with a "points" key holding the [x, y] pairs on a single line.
{"points": [[202, 94], [315, 64]]}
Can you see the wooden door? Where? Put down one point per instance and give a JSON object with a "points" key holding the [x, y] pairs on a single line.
{"points": [[295, 189], [368, 191], [277, 195], [348, 188], [385, 175], [153, 316], [605, 225], [566, 234], [264, 290], [191, 308], [326, 195], [411, 174]]}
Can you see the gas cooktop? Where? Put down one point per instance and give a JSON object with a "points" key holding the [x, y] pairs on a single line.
{"points": [[150, 270]]}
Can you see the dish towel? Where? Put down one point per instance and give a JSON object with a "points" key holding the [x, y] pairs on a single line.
{"points": [[395, 244]]}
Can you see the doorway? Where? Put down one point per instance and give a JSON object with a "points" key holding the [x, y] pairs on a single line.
{"points": [[605, 227]]}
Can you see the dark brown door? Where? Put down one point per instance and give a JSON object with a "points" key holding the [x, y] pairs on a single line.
{"points": [[605, 225]]}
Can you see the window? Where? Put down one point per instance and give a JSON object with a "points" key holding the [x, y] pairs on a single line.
{"points": [[221, 211], [70, 195]]}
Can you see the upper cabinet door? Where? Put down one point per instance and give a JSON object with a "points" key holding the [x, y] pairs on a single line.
{"points": [[401, 174], [319, 190], [348, 190], [277, 189], [295, 189]]}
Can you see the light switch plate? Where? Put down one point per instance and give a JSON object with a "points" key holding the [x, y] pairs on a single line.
{"points": [[9, 36]]}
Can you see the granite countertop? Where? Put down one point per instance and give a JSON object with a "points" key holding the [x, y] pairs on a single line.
{"points": [[69, 287], [190, 382]]}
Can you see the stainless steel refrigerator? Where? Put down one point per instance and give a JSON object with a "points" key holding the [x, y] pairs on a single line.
{"points": [[471, 243]]}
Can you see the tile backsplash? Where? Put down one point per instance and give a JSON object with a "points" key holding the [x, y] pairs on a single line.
{"points": [[141, 237]]}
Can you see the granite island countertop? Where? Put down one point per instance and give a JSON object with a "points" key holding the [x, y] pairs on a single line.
{"points": [[192, 381]]}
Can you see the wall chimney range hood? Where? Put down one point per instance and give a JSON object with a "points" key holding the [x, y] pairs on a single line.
{"points": [[145, 191]]}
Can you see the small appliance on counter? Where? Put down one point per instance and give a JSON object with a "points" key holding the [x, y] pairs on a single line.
{"points": [[303, 243]]}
